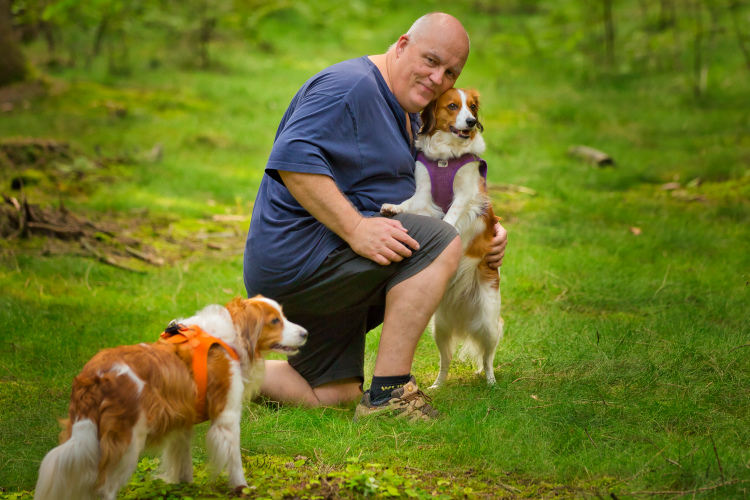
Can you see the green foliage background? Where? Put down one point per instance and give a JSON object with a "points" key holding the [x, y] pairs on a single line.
{"points": [[625, 363]]}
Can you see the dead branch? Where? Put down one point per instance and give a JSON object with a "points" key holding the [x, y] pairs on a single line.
{"points": [[591, 155], [107, 259], [151, 259], [510, 188], [63, 231]]}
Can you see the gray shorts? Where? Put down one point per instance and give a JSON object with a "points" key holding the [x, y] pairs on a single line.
{"points": [[345, 298]]}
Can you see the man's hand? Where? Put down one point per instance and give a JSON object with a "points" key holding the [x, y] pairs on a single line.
{"points": [[381, 240], [495, 256]]}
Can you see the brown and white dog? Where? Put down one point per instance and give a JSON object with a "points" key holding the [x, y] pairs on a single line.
{"points": [[451, 184], [132, 396]]}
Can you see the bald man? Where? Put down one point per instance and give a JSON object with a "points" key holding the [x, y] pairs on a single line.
{"points": [[318, 245]]}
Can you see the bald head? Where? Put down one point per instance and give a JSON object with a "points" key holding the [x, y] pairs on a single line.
{"points": [[425, 61], [438, 22]]}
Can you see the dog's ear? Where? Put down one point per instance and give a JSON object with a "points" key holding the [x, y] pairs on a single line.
{"points": [[428, 118], [248, 319], [475, 95]]}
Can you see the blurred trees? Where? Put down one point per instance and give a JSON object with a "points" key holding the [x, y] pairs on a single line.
{"points": [[604, 36], [12, 62]]}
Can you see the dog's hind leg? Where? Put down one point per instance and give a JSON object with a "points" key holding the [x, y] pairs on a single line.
{"points": [[489, 344], [177, 462], [446, 345], [118, 473]]}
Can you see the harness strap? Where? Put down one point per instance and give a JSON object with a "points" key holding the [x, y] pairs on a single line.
{"points": [[200, 342]]}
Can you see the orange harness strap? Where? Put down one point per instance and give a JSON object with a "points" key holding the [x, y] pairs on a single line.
{"points": [[201, 343]]}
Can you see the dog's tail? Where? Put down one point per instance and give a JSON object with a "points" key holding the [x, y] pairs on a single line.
{"points": [[69, 471], [475, 348], [72, 471], [471, 351]]}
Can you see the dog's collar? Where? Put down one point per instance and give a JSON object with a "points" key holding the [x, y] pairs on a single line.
{"points": [[200, 342]]}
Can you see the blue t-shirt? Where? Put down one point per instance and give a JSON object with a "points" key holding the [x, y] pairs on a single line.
{"points": [[344, 123]]}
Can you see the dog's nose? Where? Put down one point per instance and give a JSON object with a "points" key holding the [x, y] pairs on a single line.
{"points": [[303, 333], [471, 122]]}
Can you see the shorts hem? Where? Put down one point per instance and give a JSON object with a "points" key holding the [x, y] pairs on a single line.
{"points": [[332, 377]]}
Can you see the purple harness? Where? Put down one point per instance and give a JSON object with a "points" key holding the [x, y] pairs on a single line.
{"points": [[442, 173]]}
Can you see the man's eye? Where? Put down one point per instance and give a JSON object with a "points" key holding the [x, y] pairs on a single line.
{"points": [[452, 107]]}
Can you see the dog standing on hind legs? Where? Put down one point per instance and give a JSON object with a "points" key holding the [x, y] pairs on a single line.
{"points": [[149, 394], [451, 184]]}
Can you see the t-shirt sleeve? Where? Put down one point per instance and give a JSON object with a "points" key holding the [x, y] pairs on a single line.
{"points": [[319, 137]]}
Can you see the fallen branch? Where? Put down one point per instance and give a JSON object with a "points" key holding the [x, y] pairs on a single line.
{"points": [[230, 218], [64, 231], [151, 259], [225, 234], [591, 155], [510, 188], [107, 259]]}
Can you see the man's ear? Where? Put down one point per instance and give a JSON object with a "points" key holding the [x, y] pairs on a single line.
{"points": [[428, 118], [401, 44]]}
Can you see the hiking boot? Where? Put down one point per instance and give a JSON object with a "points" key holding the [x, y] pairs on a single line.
{"points": [[406, 402]]}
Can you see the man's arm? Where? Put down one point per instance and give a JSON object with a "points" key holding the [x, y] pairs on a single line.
{"points": [[379, 239]]}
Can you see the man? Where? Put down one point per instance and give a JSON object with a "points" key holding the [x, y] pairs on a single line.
{"points": [[316, 243]]}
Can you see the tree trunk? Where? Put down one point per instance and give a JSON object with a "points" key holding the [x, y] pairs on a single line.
{"points": [[609, 34], [699, 71], [12, 61], [734, 12]]}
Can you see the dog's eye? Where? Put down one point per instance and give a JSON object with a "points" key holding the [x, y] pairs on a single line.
{"points": [[275, 321], [473, 107], [452, 106]]}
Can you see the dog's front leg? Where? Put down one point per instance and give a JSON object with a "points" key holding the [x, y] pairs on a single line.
{"points": [[223, 443], [465, 189], [421, 203]]}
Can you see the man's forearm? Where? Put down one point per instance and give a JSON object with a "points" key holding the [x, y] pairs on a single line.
{"points": [[319, 195], [379, 239]]}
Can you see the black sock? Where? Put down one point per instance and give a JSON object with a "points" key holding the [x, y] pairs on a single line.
{"points": [[381, 387]]}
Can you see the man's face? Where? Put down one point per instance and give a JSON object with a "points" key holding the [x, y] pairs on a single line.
{"points": [[427, 67]]}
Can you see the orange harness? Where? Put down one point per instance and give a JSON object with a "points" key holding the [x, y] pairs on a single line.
{"points": [[201, 343]]}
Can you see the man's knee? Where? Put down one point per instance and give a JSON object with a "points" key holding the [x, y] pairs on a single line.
{"points": [[452, 254]]}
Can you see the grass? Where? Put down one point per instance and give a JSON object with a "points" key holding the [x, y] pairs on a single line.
{"points": [[625, 364]]}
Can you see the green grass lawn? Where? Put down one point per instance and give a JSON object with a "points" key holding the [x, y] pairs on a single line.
{"points": [[625, 367]]}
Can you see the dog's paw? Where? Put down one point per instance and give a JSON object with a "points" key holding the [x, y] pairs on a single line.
{"points": [[388, 209], [243, 490]]}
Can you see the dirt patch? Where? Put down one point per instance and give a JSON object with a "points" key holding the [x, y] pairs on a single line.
{"points": [[57, 173], [19, 94]]}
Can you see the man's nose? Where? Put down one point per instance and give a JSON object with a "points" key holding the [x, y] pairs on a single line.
{"points": [[437, 76]]}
